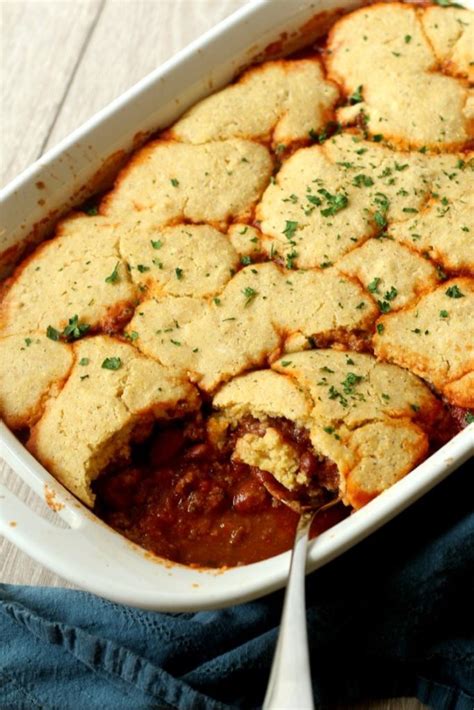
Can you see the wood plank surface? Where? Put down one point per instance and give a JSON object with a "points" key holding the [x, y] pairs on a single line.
{"points": [[61, 62]]}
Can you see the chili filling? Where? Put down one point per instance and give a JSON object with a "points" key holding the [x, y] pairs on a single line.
{"points": [[186, 500]]}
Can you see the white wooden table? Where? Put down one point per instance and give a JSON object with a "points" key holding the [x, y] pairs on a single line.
{"points": [[61, 61]]}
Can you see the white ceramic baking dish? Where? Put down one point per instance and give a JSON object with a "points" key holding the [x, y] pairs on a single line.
{"points": [[88, 553]]}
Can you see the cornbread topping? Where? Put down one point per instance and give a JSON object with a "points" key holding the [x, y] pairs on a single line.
{"points": [[276, 298]]}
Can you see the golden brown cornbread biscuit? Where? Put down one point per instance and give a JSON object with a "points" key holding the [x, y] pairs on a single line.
{"points": [[390, 272], [328, 199], [79, 272], [357, 402], [443, 228], [245, 239], [281, 100], [271, 453], [184, 260], [450, 30], [383, 52], [263, 393], [32, 369], [249, 321], [434, 338], [101, 409], [199, 183], [352, 406]]}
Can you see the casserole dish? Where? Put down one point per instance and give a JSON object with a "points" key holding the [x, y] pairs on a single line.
{"points": [[78, 162]]}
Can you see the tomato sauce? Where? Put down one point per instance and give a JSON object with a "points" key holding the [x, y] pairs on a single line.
{"points": [[184, 500]]}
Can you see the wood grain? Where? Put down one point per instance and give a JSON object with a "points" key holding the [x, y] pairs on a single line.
{"points": [[62, 61]]}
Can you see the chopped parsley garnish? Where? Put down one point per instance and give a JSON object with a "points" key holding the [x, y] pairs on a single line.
{"points": [[350, 382], [469, 419], [285, 363], [52, 333], [250, 294], [454, 292], [74, 330], [156, 244], [380, 328], [443, 314], [336, 203], [415, 407], [362, 180], [175, 342], [245, 260], [326, 369], [407, 39], [112, 363], [179, 273], [290, 228], [373, 285], [314, 200], [384, 306], [217, 301], [142, 268], [28, 342], [132, 336], [114, 276], [390, 295], [356, 97], [334, 394], [290, 258], [91, 211], [174, 182], [84, 361], [328, 429]]}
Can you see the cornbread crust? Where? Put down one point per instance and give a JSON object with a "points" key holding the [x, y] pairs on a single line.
{"points": [[173, 182], [67, 276], [434, 337], [280, 101], [32, 370], [382, 265], [450, 31], [376, 182], [405, 96], [91, 423], [352, 406], [184, 260], [215, 341], [351, 227]]}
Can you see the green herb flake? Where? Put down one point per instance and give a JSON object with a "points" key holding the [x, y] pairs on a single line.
{"points": [[285, 363], [142, 268], [407, 39], [84, 361], [174, 182], [380, 328], [328, 429], [250, 294], [132, 336], [415, 407], [179, 273], [374, 284], [52, 333], [362, 181], [245, 260], [356, 97], [28, 342], [156, 244], [112, 363], [469, 418], [454, 292], [91, 211], [217, 301], [290, 229], [336, 203], [75, 330], [114, 276], [443, 314]]}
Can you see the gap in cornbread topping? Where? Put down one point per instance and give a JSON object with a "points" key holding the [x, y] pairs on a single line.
{"points": [[276, 295]]}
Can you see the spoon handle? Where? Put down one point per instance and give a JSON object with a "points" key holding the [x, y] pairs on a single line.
{"points": [[290, 686]]}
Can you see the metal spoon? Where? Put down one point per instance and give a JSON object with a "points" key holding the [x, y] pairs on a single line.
{"points": [[290, 685]]}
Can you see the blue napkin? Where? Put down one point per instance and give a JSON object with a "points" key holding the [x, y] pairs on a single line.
{"points": [[392, 617]]}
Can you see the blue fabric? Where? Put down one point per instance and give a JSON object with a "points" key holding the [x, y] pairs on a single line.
{"points": [[391, 617]]}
